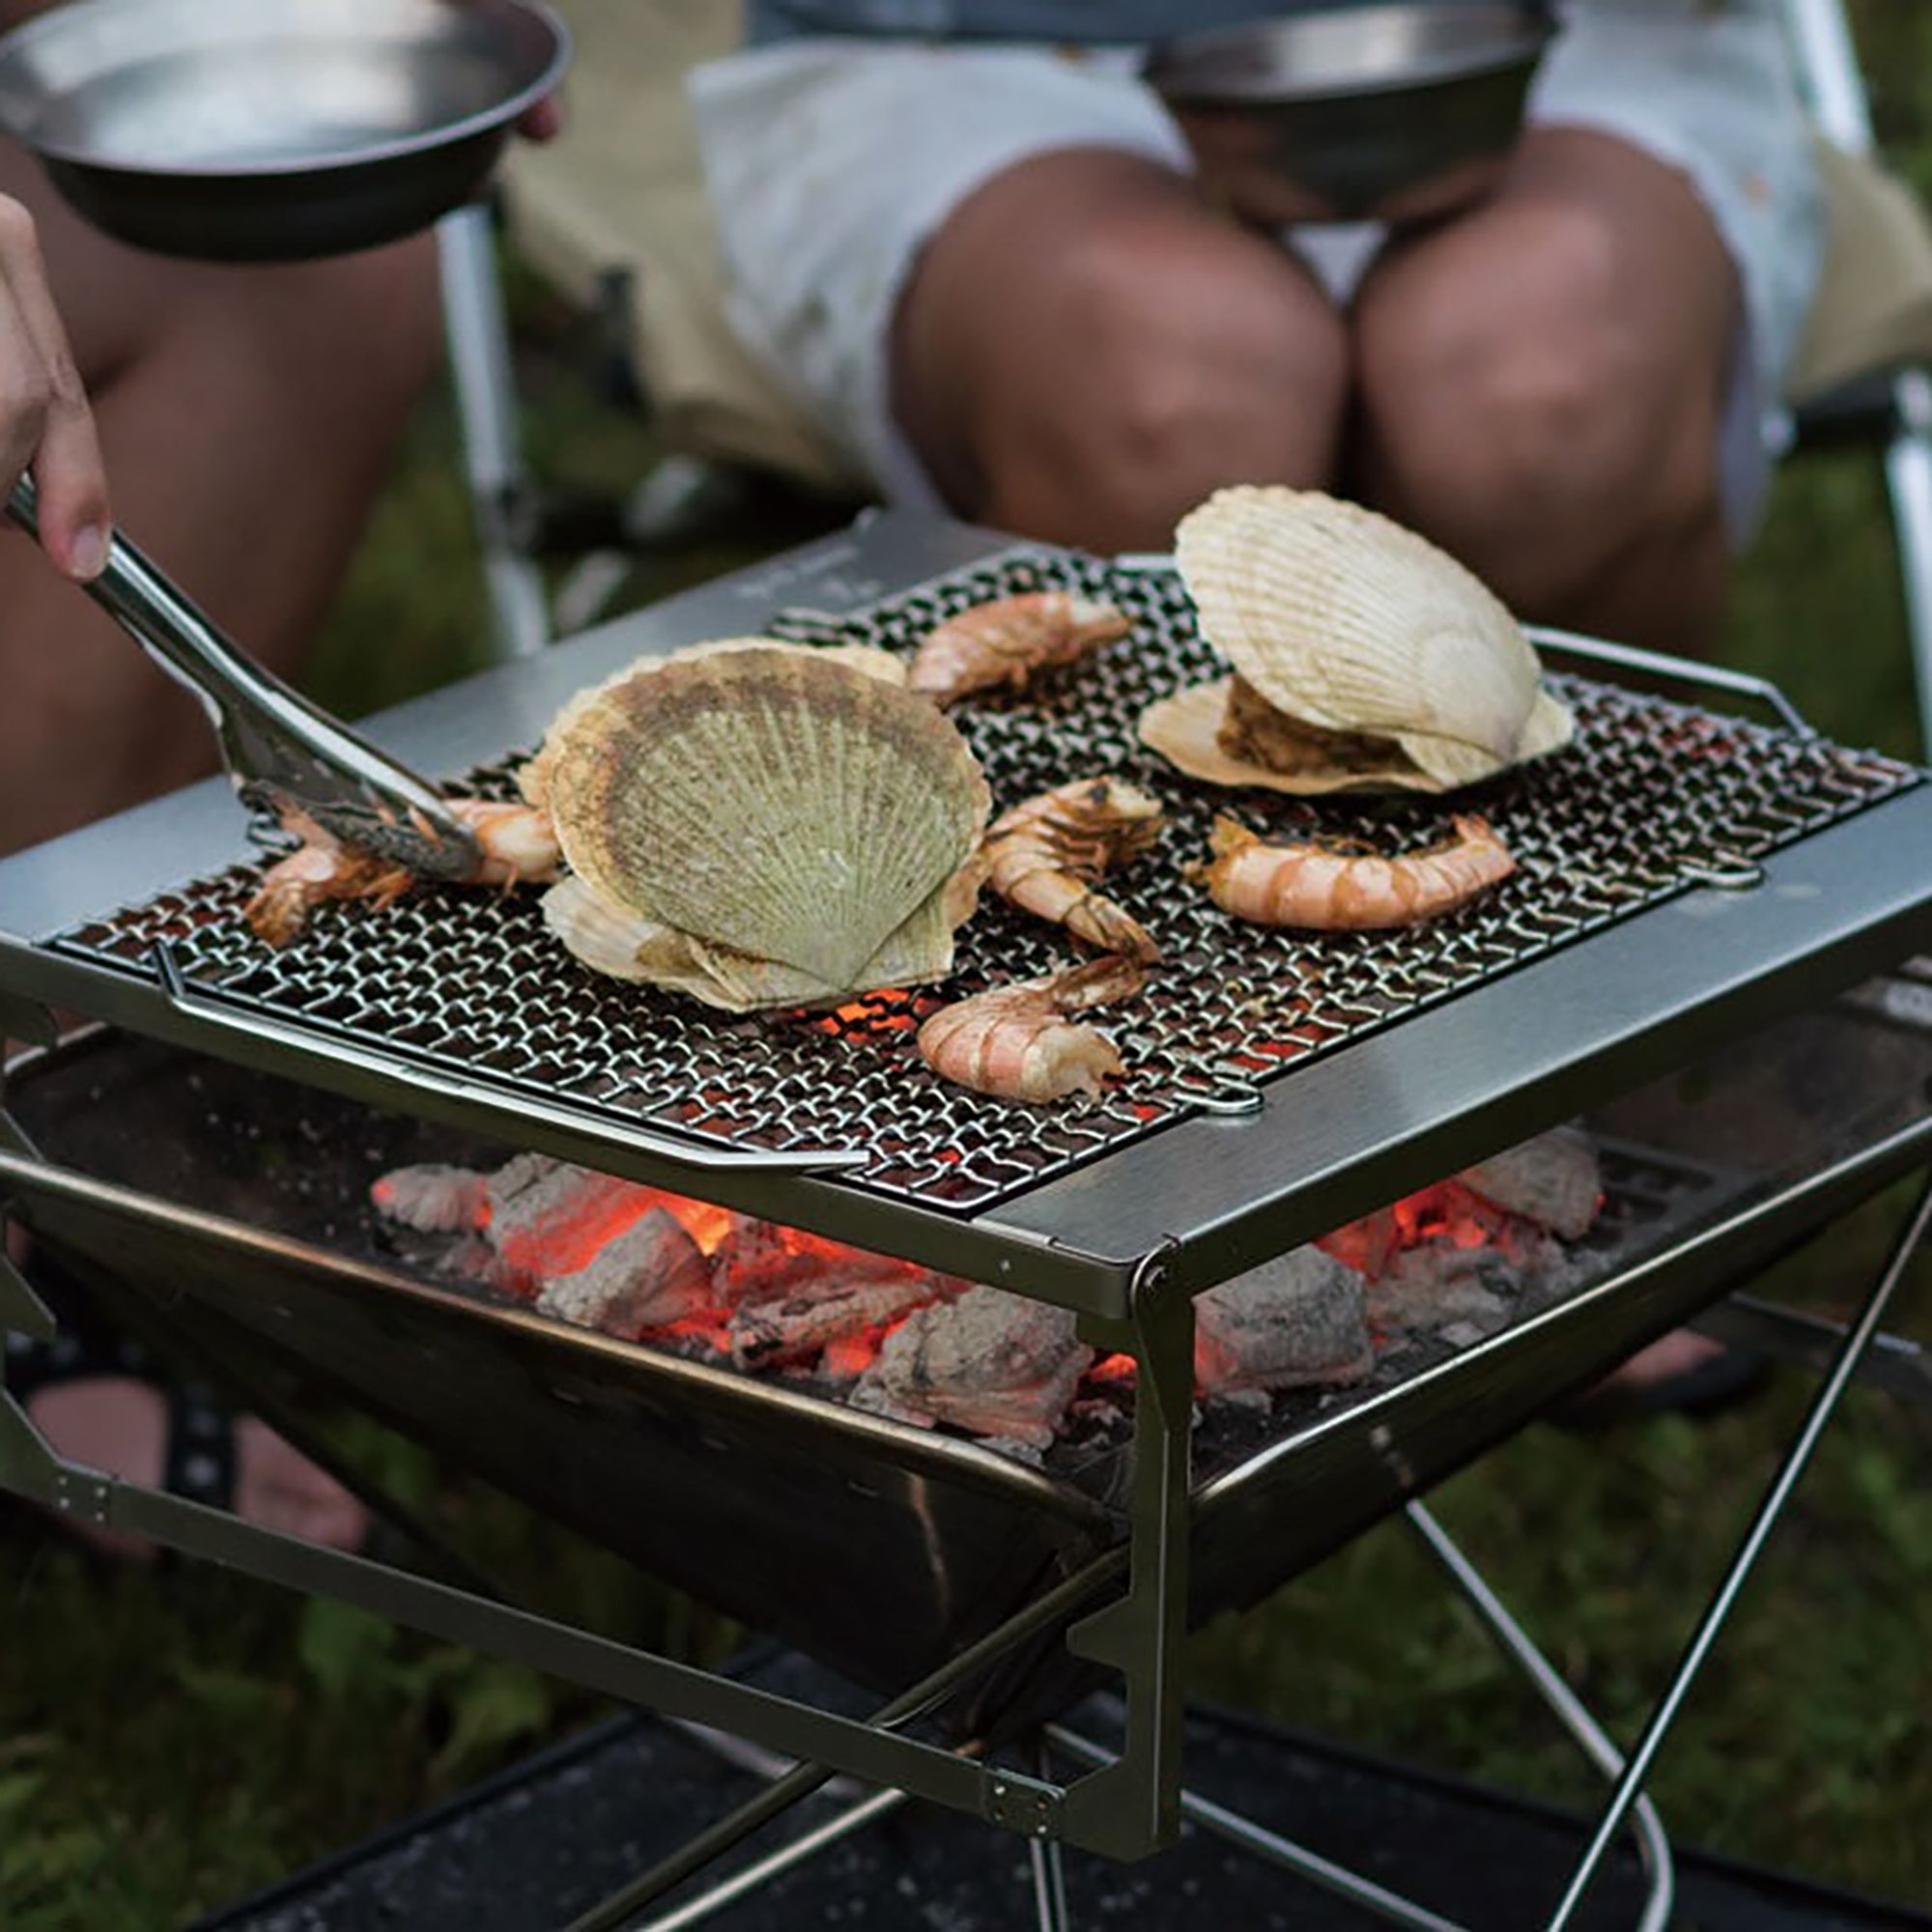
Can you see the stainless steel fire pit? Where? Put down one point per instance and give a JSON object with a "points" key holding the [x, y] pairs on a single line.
{"points": [[1687, 877]]}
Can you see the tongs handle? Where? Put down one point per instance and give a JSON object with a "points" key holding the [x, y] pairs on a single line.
{"points": [[278, 746]]}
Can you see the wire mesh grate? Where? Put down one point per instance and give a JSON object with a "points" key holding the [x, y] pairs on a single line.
{"points": [[1653, 796]]}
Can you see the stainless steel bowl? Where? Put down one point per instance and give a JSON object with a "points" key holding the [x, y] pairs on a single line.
{"points": [[252, 130], [1392, 110]]}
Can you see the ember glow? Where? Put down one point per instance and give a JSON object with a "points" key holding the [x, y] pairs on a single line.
{"points": [[885, 1010], [1447, 1214], [572, 1241], [645, 1264]]}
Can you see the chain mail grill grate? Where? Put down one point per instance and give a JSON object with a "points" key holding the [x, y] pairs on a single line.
{"points": [[1653, 798]]}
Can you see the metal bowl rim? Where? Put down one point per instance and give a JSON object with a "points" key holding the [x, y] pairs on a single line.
{"points": [[449, 134], [1526, 45]]}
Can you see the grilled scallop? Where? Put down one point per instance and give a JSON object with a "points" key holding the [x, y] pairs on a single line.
{"points": [[1386, 661], [760, 825]]}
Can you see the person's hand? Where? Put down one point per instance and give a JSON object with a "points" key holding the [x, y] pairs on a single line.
{"points": [[542, 121], [1237, 165], [1241, 167], [47, 426]]}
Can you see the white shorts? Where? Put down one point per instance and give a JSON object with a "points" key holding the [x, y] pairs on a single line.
{"points": [[831, 163]]}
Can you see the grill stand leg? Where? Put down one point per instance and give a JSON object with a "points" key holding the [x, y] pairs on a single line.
{"points": [[1139, 1634], [1049, 1865], [761, 1871], [1140, 1637], [1653, 1846], [1822, 1406]]}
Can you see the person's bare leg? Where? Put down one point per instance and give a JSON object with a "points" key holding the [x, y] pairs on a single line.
{"points": [[247, 417], [1085, 350], [1542, 383]]}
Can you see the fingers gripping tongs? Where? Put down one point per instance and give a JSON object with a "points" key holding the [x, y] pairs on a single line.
{"points": [[279, 749]]}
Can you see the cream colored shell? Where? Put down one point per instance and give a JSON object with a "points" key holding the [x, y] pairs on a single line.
{"points": [[1186, 730], [629, 948], [1343, 619], [773, 804]]}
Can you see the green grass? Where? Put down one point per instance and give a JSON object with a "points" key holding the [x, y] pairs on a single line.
{"points": [[172, 1739]]}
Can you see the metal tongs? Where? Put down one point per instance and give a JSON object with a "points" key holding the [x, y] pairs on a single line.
{"points": [[279, 749]]}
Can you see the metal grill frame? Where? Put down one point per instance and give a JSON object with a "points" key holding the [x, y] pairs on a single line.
{"points": [[1653, 799], [1125, 1241], [1363, 1122]]}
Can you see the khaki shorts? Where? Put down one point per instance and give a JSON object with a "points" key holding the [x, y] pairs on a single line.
{"points": [[831, 163]]}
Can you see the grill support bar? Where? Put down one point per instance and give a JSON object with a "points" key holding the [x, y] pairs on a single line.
{"points": [[1131, 1806], [31, 1469], [1856, 1341], [1627, 1799]]}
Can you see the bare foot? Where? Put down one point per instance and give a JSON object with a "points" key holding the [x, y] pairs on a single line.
{"points": [[1664, 1360], [120, 1425]]}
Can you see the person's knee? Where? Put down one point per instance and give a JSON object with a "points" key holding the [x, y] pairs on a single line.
{"points": [[382, 311], [1526, 427], [354, 339], [1177, 384]]}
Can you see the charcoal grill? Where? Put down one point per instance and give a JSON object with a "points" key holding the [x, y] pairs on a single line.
{"points": [[1687, 878]]}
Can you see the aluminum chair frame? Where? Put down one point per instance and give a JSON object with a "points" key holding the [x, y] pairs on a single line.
{"points": [[1896, 409], [1834, 83]]}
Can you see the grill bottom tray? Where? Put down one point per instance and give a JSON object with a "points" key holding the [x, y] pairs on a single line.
{"points": [[222, 1209]]}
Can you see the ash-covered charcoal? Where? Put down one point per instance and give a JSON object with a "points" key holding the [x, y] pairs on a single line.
{"points": [[649, 1276], [769, 1334], [1439, 1283], [544, 1218], [1553, 1179], [433, 1199], [761, 1262], [432, 1215], [991, 1362], [1299, 1318]]}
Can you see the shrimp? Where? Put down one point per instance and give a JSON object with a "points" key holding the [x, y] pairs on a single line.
{"points": [[1015, 1042], [1005, 640], [1325, 889], [1045, 855], [515, 844]]}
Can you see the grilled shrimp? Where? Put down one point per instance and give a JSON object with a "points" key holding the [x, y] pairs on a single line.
{"points": [[1016, 1044], [515, 843], [1046, 854], [1005, 640], [1325, 889]]}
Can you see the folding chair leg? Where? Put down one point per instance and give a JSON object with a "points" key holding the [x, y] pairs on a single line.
{"points": [[485, 392], [1907, 472]]}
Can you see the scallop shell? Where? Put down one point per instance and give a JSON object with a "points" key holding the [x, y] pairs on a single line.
{"points": [[534, 776], [627, 946], [774, 802], [1349, 621]]}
